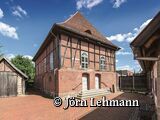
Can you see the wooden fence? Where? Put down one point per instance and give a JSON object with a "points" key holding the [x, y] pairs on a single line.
{"points": [[135, 82]]}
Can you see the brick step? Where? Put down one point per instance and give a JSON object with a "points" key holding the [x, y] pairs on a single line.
{"points": [[93, 93], [89, 96]]}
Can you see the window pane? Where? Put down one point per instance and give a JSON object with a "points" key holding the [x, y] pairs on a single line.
{"points": [[86, 59], [86, 65], [82, 59], [82, 65], [44, 64], [51, 61], [102, 62]]}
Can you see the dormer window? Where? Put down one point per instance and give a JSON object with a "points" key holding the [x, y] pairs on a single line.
{"points": [[88, 31]]}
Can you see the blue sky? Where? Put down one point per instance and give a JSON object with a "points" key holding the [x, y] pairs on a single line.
{"points": [[25, 23]]}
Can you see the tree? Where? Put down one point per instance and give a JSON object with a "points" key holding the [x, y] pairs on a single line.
{"points": [[25, 65]]}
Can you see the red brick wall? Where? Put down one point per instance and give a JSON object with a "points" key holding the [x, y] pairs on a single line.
{"points": [[70, 80], [70, 74], [45, 78]]}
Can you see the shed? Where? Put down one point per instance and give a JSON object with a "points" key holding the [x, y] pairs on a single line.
{"points": [[12, 80]]}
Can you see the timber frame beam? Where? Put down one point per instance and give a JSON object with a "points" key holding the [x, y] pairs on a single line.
{"points": [[148, 58]]}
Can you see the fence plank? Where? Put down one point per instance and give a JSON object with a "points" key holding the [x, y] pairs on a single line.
{"points": [[136, 82]]}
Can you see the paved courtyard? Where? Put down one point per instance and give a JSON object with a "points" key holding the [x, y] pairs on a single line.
{"points": [[36, 107]]}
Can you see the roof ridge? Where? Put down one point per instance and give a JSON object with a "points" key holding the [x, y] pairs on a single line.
{"points": [[71, 16], [146, 27], [14, 67], [73, 23]]}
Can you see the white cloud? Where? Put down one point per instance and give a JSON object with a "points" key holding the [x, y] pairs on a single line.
{"points": [[125, 67], [28, 56], [122, 37], [19, 11], [87, 3], [10, 56], [8, 31], [137, 65], [138, 30], [117, 61], [133, 68], [121, 48], [129, 37], [123, 52], [118, 3], [1, 13]]}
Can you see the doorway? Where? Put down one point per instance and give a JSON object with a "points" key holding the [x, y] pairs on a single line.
{"points": [[85, 82], [97, 81]]}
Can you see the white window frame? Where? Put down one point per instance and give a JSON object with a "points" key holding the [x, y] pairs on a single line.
{"points": [[102, 63], [84, 60], [51, 61]]}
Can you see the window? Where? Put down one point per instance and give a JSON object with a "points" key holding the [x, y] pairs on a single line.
{"points": [[84, 60], [102, 63], [44, 64], [37, 72], [51, 61], [88, 31], [50, 79]]}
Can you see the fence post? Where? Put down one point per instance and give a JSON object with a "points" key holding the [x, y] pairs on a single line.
{"points": [[119, 83], [133, 80]]}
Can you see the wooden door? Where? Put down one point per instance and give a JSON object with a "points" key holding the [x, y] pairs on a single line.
{"points": [[3, 85], [97, 82], [12, 85], [8, 84], [84, 82]]}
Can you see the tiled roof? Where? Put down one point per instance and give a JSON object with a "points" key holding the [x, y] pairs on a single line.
{"points": [[79, 24]]}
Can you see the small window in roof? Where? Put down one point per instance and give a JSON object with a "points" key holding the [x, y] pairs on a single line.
{"points": [[88, 31]]}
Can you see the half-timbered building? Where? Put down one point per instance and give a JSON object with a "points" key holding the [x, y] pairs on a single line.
{"points": [[75, 57]]}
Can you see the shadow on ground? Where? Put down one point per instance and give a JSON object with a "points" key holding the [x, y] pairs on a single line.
{"points": [[33, 91], [144, 112]]}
